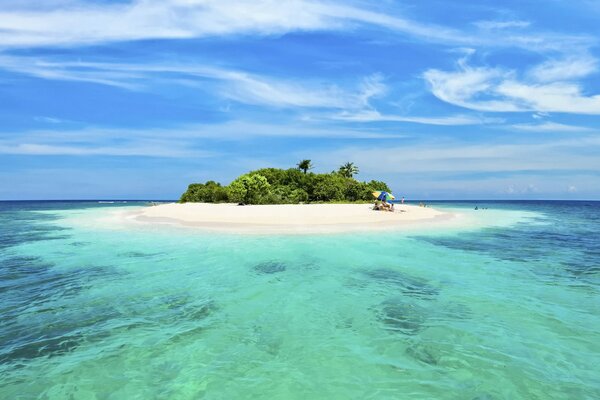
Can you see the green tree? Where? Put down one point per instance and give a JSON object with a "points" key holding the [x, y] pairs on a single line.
{"points": [[348, 170], [305, 165], [378, 186], [287, 195], [286, 186], [329, 187], [249, 189], [356, 191], [209, 192]]}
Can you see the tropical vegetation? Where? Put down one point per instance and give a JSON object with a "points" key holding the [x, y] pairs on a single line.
{"points": [[287, 186]]}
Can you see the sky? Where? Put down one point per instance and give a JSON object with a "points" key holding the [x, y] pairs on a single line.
{"points": [[441, 99]]}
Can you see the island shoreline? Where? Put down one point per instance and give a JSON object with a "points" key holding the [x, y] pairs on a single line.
{"points": [[285, 218]]}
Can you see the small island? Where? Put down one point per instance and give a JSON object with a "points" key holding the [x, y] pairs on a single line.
{"points": [[285, 201], [288, 186]]}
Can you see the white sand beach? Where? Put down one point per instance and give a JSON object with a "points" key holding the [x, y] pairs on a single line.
{"points": [[288, 218]]}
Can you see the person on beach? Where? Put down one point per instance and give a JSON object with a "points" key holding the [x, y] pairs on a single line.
{"points": [[387, 206]]}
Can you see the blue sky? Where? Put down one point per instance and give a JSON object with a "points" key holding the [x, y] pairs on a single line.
{"points": [[443, 100]]}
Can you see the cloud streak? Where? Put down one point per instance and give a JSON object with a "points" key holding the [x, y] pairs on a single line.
{"points": [[371, 115], [501, 90], [233, 84], [457, 157], [551, 127], [76, 23], [176, 142]]}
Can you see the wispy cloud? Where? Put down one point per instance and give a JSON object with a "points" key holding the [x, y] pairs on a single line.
{"points": [[501, 90], [79, 23], [232, 84], [101, 142], [495, 25], [121, 151], [519, 190], [570, 68], [550, 127], [235, 85], [195, 140], [374, 116], [460, 157], [49, 120]]}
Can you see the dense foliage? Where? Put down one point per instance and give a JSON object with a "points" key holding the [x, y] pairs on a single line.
{"points": [[287, 186]]}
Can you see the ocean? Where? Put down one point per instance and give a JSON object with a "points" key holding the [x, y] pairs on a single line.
{"points": [[508, 308]]}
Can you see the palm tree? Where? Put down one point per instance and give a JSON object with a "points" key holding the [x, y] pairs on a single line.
{"points": [[348, 170], [305, 165]]}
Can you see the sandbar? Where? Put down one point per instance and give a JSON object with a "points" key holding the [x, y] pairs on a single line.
{"points": [[285, 218]]}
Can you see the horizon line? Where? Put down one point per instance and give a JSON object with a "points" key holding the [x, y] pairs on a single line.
{"points": [[175, 200]]}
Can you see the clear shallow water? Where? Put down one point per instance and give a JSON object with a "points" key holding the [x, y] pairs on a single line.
{"points": [[503, 312]]}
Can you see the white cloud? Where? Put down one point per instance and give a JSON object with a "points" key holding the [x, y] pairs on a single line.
{"points": [[540, 115], [262, 91], [103, 74], [564, 69], [496, 25], [49, 120], [464, 88], [375, 116], [80, 23], [125, 150], [456, 157], [551, 127], [236, 85], [514, 189], [180, 141], [498, 90], [236, 130], [572, 189], [71, 23], [510, 189], [371, 87]]}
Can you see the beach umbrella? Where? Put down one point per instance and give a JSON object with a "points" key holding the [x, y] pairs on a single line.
{"points": [[383, 196]]}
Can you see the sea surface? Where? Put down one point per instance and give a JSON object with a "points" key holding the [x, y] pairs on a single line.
{"points": [[505, 309]]}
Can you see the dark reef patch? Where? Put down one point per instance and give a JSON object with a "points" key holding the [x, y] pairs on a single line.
{"points": [[41, 315], [560, 247], [199, 311], [138, 254], [188, 307], [424, 353], [401, 316], [270, 267], [18, 227], [409, 285]]}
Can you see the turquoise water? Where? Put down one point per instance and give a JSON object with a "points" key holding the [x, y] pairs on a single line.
{"points": [[505, 310]]}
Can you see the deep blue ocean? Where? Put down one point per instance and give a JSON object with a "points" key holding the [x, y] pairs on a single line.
{"points": [[507, 309]]}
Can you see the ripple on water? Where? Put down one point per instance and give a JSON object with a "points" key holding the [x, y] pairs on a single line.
{"points": [[424, 352], [407, 284], [40, 311], [51, 333], [402, 316], [27, 227], [27, 280]]}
